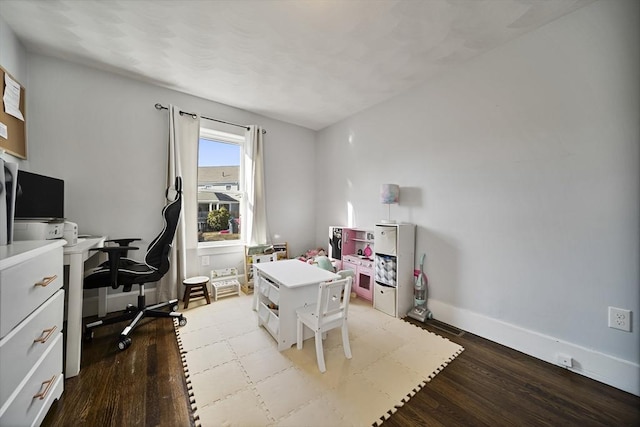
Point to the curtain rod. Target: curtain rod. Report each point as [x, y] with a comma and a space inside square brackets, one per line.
[182, 113]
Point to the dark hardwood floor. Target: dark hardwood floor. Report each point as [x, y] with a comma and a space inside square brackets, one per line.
[141, 386]
[487, 385]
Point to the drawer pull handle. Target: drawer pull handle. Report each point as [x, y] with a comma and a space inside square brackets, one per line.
[47, 334]
[48, 383]
[47, 281]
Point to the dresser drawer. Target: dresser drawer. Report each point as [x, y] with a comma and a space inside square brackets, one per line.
[21, 349]
[29, 404]
[25, 286]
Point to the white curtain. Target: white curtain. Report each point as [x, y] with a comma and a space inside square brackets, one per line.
[184, 133]
[256, 222]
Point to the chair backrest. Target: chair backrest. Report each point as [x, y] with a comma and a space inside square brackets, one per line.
[333, 298]
[257, 259]
[159, 250]
[264, 258]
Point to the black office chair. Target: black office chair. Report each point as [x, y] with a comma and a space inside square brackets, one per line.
[119, 270]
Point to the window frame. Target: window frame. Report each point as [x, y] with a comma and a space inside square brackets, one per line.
[208, 133]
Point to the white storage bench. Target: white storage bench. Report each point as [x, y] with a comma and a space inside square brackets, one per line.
[224, 282]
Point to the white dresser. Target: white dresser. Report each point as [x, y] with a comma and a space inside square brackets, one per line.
[31, 316]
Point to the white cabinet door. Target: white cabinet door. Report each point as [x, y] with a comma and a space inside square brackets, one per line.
[384, 299]
[385, 240]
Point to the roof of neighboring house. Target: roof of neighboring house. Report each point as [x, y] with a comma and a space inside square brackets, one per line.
[218, 174]
[213, 196]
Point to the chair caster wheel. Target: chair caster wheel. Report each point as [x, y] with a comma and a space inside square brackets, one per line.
[124, 343]
[174, 307]
[88, 335]
[130, 308]
[182, 321]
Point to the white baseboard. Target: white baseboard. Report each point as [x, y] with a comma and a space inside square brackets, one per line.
[616, 372]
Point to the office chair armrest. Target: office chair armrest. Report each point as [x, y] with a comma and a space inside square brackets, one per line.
[114, 253]
[123, 242]
[115, 249]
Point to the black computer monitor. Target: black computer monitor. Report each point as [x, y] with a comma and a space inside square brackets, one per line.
[39, 197]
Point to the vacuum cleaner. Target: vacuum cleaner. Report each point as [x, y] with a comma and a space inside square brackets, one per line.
[420, 311]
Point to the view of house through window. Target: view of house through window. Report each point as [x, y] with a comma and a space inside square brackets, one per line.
[220, 187]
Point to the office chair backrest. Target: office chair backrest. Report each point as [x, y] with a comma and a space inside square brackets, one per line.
[159, 250]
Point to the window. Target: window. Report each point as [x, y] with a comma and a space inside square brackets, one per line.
[221, 191]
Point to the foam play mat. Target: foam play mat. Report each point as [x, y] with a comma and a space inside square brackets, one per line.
[237, 377]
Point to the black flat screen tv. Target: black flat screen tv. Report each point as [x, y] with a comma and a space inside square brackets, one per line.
[39, 197]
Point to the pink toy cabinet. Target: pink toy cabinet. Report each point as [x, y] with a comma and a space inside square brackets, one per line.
[363, 280]
[354, 247]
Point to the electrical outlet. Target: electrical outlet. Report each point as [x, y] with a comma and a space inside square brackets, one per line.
[564, 360]
[620, 318]
[205, 260]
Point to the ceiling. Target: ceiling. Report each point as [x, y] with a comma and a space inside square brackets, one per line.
[307, 62]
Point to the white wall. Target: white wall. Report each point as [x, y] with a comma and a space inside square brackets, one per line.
[521, 171]
[13, 58]
[101, 133]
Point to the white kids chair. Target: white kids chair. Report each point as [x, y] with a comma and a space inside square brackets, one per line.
[330, 312]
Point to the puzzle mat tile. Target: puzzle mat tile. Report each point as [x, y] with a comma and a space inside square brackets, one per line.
[237, 377]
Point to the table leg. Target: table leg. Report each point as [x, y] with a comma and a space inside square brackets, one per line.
[256, 289]
[74, 316]
[102, 302]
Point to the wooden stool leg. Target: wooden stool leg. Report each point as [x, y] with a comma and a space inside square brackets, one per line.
[206, 293]
[187, 296]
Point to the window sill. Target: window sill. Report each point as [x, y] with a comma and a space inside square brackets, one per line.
[214, 248]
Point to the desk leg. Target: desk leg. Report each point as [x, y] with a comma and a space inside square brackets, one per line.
[74, 316]
[102, 302]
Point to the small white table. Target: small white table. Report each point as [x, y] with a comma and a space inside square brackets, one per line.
[289, 285]
[74, 257]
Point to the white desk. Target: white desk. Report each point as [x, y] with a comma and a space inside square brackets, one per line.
[289, 284]
[74, 257]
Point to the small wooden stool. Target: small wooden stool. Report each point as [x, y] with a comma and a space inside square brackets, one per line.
[195, 287]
